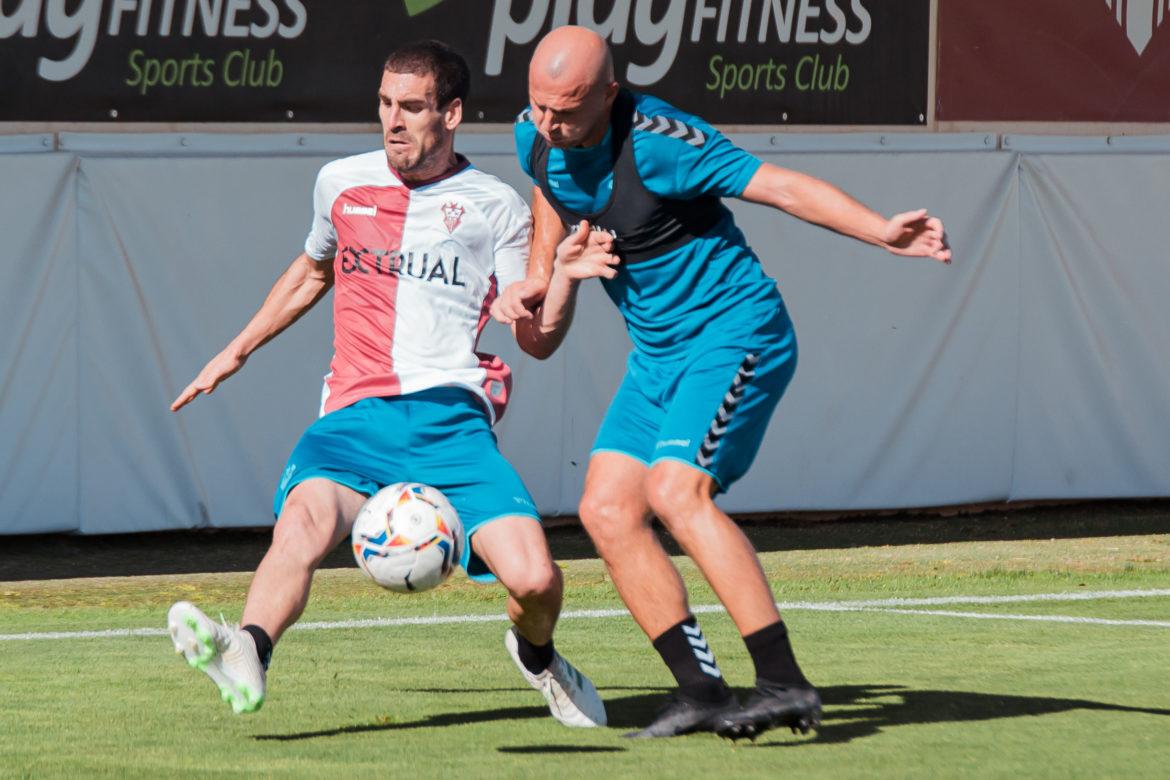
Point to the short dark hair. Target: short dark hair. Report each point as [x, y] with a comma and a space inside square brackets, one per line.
[437, 59]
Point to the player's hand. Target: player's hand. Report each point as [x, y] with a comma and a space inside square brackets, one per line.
[917, 234]
[519, 301]
[220, 368]
[586, 254]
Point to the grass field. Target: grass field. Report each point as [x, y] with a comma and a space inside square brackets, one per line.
[908, 692]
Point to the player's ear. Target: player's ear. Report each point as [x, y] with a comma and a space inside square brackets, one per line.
[453, 114]
[611, 93]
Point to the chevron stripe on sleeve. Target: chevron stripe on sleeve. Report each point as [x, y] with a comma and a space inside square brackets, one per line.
[671, 128]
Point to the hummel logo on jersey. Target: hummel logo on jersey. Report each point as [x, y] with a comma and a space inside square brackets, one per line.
[359, 211]
[594, 228]
[452, 215]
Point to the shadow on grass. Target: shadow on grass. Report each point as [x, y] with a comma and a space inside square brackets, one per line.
[624, 712]
[460, 718]
[851, 712]
[542, 749]
[875, 708]
[602, 688]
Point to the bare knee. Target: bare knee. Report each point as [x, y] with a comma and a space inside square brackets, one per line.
[677, 497]
[541, 583]
[611, 520]
[300, 536]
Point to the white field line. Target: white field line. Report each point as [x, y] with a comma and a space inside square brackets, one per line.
[1042, 618]
[892, 605]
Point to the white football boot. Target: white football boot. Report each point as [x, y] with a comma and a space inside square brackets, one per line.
[225, 653]
[571, 697]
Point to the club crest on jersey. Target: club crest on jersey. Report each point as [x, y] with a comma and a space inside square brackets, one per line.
[452, 215]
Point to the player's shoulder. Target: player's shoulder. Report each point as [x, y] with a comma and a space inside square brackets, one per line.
[524, 133]
[364, 168]
[659, 123]
[488, 191]
[524, 117]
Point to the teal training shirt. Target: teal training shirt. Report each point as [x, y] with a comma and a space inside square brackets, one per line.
[712, 289]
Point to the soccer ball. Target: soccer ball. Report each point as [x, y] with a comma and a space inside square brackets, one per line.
[407, 537]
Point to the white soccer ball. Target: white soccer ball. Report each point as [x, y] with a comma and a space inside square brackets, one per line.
[407, 537]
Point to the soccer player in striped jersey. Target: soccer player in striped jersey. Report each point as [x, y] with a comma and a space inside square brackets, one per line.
[414, 241]
[640, 182]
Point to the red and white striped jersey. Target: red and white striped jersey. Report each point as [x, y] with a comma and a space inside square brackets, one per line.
[415, 270]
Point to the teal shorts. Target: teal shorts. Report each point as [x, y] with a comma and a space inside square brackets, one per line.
[708, 408]
[440, 437]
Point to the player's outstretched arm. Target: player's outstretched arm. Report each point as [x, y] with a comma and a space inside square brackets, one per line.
[303, 284]
[912, 234]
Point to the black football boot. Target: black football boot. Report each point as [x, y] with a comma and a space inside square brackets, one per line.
[683, 715]
[771, 706]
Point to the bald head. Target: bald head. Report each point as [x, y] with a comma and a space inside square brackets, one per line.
[571, 56]
[571, 87]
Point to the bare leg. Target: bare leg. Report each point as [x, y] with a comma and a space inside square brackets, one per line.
[316, 516]
[682, 497]
[616, 514]
[516, 551]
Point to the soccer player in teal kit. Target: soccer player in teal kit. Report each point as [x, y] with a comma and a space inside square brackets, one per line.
[638, 184]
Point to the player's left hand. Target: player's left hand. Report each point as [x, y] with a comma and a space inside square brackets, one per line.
[917, 234]
[518, 301]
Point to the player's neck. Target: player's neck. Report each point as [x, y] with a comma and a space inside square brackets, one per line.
[445, 165]
[596, 135]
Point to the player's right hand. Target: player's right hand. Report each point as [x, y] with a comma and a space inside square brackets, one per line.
[220, 368]
[518, 301]
[586, 254]
[917, 234]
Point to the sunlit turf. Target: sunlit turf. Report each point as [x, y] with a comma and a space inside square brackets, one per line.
[906, 695]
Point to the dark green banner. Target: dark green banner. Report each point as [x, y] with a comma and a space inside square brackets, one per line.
[731, 61]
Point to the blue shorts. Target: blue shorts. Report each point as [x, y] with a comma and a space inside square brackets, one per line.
[708, 409]
[439, 437]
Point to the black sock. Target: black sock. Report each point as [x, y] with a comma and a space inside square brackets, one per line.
[685, 650]
[772, 654]
[263, 642]
[536, 658]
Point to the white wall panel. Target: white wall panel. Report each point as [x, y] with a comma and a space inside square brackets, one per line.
[1036, 366]
[38, 344]
[180, 254]
[1095, 376]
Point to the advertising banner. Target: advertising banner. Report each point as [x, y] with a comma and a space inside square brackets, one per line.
[731, 61]
[1054, 61]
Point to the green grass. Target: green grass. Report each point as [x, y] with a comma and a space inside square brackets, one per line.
[905, 695]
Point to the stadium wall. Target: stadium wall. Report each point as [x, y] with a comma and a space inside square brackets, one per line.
[1035, 367]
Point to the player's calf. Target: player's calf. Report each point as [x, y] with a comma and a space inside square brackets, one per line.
[539, 592]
